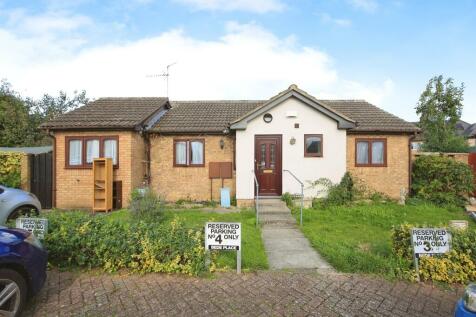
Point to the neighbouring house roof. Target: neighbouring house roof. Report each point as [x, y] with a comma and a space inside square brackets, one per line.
[28, 150]
[470, 131]
[109, 113]
[462, 128]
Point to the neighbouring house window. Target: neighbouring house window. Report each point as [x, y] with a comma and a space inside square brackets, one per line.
[189, 152]
[75, 152]
[313, 145]
[371, 152]
[92, 150]
[81, 151]
[110, 149]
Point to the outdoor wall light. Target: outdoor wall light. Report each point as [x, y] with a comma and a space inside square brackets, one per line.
[292, 141]
[222, 144]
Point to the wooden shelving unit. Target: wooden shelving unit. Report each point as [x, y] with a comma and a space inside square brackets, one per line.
[102, 180]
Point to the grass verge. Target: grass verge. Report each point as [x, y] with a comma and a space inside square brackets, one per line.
[357, 238]
[253, 254]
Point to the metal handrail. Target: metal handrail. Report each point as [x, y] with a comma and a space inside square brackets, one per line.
[302, 192]
[256, 197]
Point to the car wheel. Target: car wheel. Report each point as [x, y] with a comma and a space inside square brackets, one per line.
[23, 211]
[13, 293]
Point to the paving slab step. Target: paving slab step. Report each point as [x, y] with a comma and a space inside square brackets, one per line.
[273, 208]
[266, 212]
[273, 218]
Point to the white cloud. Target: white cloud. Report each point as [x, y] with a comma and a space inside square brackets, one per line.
[328, 19]
[54, 22]
[374, 93]
[365, 5]
[257, 6]
[247, 62]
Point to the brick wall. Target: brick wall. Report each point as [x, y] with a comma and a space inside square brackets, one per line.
[460, 157]
[390, 179]
[74, 187]
[174, 183]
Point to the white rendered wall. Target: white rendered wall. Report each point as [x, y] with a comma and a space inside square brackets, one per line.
[332, 165]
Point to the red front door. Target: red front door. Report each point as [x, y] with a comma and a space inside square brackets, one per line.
[268, 164]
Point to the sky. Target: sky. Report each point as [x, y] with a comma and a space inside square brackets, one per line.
[381, 51]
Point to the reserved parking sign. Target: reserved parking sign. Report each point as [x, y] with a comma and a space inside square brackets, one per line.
[37, 226]
[223, 236]
[431, 240]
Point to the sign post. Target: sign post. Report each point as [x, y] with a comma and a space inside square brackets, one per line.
[37, 226]
[429, 241]
[224, 236]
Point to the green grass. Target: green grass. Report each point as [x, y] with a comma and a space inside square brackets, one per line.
[357, 238]
[253, 254]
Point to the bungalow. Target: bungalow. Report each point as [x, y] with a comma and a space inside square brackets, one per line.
[179, 148]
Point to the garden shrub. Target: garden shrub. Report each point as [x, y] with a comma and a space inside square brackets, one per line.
[288, 199]
[145, 204]
[76, 239]
[10, 169]
[441, 180]
[457, 266]
[337, 194]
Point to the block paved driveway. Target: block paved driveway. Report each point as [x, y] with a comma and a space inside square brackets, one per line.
[228, 294]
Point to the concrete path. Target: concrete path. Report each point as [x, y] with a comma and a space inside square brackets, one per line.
[285, 245]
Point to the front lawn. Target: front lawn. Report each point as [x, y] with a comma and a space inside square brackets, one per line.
[253, 254]
[357, 238]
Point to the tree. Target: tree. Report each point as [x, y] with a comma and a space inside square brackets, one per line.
[15, 128]
[440, 107]
[21, 117]
[49, 107]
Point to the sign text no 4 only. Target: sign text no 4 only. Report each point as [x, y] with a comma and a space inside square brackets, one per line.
[224, 236]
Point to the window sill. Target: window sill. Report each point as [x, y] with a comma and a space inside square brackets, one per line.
[370, 165]
[69, 167]
[201, 165]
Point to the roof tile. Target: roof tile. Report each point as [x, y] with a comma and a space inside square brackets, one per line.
[108, 113]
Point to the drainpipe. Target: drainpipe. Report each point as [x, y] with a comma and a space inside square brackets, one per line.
[145, 135]
[410, 165]
[51, 135]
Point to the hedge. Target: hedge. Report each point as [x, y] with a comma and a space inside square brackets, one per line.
[76, 239]
[10, 169]
[441, 180]
[457, 266]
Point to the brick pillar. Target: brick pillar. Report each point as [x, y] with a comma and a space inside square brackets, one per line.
[25, 172]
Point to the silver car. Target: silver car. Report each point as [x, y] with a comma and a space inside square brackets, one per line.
[16, 202]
